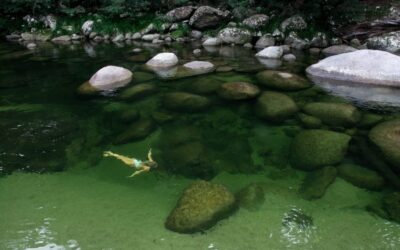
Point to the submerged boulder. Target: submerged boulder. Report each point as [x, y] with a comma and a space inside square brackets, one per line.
[256, 21]
[199, 67]
[358, 67]
[317, 182]
[110, 77]
[238, 91]
[181, 101]
[282, 80]
[334, 114]
[234, 35]
[212, 41]
[207, 17]
[361, 177]
[251, 197]
[200, 207]
[391, 204]
[138, 130]
[386, 136]
[314, 148]
[138, 91]
[274, 106]
[163, 60]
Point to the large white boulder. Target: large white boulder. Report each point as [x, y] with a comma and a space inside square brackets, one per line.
[110, 77]
[360, 67]
[273, 52]
[163, 60]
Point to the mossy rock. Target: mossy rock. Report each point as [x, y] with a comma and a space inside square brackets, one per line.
[309, 121]
[251, 197]
[334, 114]
[282, 80]
[369, 120]
[200, 207]
[86, 89]
[129, 115]
[361, 177]
[317, 182]
[204, 85]
[274, 106]
[391, 204]
[386, 136]
[313, 149]
[138, 130]
[186, 102]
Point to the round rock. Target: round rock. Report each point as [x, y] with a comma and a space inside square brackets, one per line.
[110, 77]
[163, 60]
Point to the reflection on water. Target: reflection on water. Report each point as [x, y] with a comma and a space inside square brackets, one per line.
[368, 96]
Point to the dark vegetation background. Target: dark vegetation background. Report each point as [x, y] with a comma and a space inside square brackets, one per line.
[324, 13]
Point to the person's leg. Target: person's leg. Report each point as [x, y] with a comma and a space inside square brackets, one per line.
[124, 159]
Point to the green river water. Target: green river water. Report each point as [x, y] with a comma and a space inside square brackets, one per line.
[58, 192]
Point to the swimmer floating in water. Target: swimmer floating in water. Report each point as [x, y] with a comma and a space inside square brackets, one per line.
[141, 166]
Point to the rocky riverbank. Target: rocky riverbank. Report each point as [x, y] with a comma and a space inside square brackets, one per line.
[213, 27]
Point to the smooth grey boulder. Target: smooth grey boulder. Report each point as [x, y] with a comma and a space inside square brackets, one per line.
[110, 77]
[179, 14]
[272, 52]
[256, 21]
[338, 49]
[163, 60]
[200, 207]
[207, 17]
[358, 67]
[199, 67]
[212, 41]
[234, 35]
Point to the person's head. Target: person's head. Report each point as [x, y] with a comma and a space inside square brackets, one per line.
[151, 164]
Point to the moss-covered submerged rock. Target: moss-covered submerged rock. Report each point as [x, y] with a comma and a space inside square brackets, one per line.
[391, 204]
[138, 91]
[282, 80]
[386, 136]
[334, 114]
[238, 91]
[317, 182]
[201, 206]
[181, 101]
[251, 197]
[138, 130]
[312, 149]
[361, 177]
[309, 121]
[274, 106]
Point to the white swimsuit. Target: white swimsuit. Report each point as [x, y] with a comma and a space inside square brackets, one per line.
[136, 163]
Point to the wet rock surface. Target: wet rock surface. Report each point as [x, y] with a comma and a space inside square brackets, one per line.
[238, 91]
[274, 106]
[361, 176]
[282, 80]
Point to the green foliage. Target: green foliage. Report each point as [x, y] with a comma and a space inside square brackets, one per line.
[183, 30]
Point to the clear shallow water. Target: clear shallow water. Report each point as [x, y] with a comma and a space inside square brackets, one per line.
[88, 203]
